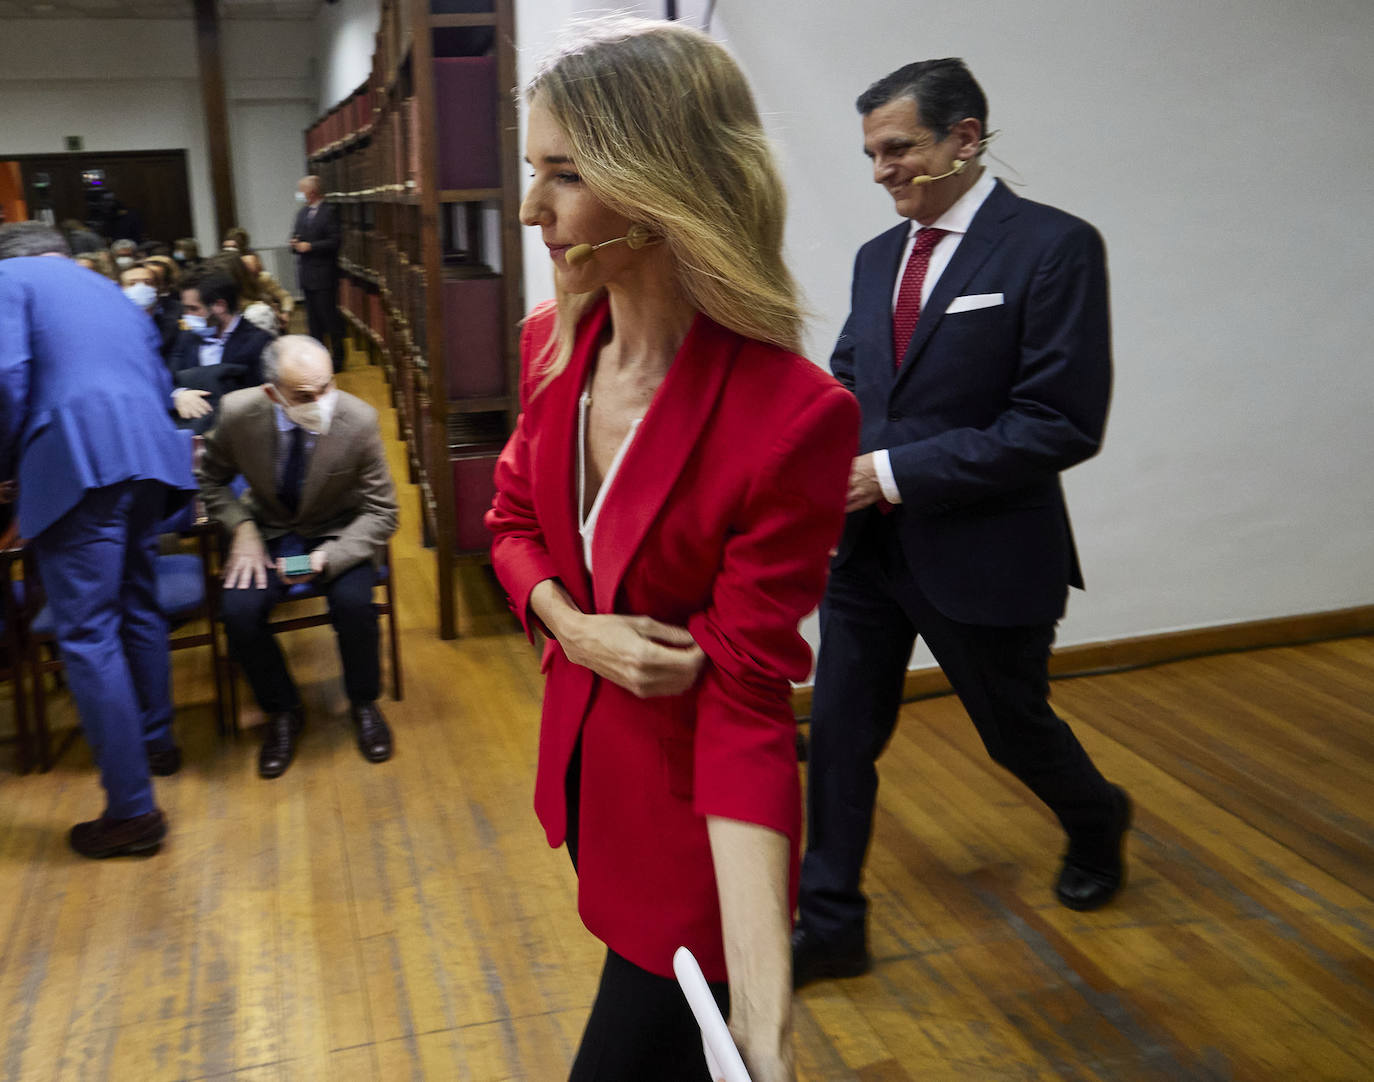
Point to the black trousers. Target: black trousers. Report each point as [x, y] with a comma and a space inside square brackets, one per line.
[255, 648]
[324, 321]
[640, 1027]
[872, 612]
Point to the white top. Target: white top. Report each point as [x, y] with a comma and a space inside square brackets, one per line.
[587, 526]
[955, 221]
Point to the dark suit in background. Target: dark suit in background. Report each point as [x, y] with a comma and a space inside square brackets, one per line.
[1004, 385]
[240, 366]
[84, 428]
[318, 275]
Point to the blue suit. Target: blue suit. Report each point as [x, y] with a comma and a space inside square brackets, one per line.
[84, 429]
[1004, 385]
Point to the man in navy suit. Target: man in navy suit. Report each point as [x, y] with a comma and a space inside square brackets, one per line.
[219, 352]
[84, 429]
[315, 240]
[978, 346]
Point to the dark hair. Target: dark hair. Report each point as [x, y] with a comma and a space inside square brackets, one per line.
[238, 235]
[945, 92]
[213, 285]
[31, 238]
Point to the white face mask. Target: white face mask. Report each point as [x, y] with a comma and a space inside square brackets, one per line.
[124, 262]
[300, 197]
[314, 416]
[142, 294]
[197, 324]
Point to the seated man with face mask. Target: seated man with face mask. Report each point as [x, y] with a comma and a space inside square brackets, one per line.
[318, 485]
[218, 352]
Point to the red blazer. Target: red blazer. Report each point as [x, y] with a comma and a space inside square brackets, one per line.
[720, 519]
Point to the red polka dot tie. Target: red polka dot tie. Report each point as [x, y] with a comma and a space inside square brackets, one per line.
[908, 307]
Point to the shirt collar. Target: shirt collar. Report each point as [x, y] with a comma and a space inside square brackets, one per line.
[233, 325]
[960, 216]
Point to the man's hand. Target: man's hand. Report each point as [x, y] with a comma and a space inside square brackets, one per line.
[638, 653]
[301, 246]
[248, 562]
[191, 403]
[864, 490]
[316, 568]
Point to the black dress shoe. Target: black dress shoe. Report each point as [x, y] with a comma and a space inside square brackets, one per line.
[101, 838]
[814, 958]
[1089, 880]
[279, 743]
[166, 762]
[374, 735]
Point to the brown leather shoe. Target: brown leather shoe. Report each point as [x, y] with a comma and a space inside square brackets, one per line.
[374, 735]
[101, 838]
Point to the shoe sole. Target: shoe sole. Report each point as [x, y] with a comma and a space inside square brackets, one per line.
[132, 849]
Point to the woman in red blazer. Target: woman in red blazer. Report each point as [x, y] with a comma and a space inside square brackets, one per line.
[663, 512]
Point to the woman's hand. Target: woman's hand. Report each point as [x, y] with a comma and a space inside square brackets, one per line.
[645, 657]
[639, 654]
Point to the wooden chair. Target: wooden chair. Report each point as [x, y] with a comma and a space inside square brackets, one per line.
[306, 591]
[186, 585]
[12, 656]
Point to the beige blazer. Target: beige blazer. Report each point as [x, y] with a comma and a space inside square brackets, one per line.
[348, 500]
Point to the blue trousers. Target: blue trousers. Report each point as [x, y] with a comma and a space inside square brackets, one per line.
[96, 563]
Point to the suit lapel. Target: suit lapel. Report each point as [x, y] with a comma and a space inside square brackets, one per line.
[555, 471]
[658, 451]
[982, 238]
[325, 454]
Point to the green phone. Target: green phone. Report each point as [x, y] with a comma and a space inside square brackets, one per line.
[296, 565]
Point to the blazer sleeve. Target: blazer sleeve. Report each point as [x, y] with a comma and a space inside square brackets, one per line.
[218, 466]
[772, 575]
[327, 243]
[519, 554]
[1057, 408]
[842, 359]
[375, 522]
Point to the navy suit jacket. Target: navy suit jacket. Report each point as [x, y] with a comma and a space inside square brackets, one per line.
[240, 366]
[83, 392]
[991, 403]
[318, 268]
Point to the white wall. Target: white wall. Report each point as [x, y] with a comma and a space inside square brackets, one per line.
[346, 35]
[134, 84]
[1216, 147]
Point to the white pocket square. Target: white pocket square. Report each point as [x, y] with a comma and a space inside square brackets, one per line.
[972, 301]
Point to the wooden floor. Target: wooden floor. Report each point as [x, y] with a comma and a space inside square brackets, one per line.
[406, 921]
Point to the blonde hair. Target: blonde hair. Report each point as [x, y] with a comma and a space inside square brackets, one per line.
[664, 131]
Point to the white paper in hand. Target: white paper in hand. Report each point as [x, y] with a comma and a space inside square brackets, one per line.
[722, 1057]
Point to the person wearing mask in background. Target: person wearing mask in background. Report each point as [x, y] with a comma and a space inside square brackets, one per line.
[124, 253]
[318, 484]
[79, 374]
[219, 351]
[186, 253]
[139, 283]
[315, 240]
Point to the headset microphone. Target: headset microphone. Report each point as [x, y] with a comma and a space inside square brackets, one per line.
[926, 178]
[637, 237]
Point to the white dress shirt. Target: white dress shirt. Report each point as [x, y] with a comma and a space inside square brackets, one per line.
[955, 222]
